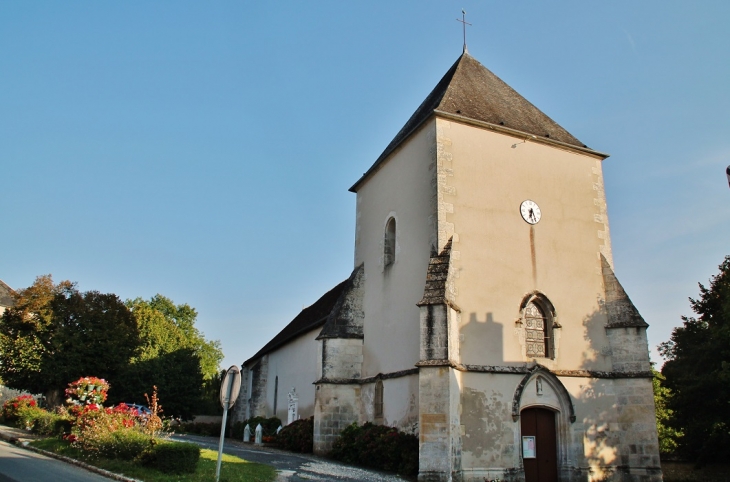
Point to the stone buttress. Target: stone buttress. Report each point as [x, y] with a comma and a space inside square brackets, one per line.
[337, 395]
[626, 332]
[438, 390]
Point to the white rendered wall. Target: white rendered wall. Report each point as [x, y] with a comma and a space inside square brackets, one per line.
[296, 366]
[402, 188]
[499, 261]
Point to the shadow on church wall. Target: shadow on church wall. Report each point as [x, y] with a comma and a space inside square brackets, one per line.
[614, 426]
[482, 341]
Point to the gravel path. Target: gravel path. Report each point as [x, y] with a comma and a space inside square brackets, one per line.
[294, 467]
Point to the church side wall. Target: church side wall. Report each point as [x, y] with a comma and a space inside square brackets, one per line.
[295, 365]
[400, 403]
[402, 188]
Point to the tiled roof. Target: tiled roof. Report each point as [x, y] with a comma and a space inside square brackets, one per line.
[471, 91]
[308, 319]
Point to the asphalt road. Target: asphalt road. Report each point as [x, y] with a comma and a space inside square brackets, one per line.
[20, 465]
[294, 467]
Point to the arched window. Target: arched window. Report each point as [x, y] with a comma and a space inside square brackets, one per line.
[538, 330]
[389, 244]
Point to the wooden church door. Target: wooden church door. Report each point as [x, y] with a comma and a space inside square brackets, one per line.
[540, 454]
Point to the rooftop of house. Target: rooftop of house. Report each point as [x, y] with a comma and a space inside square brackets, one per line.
[6, 294]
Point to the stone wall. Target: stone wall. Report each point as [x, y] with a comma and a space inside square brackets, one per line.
[336, 407]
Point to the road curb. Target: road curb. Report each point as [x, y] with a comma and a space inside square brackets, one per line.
[24, 444]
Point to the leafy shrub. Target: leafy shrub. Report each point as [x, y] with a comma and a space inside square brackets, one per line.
[172, 457]
[12, 407]
[269, 426]
[43, 422]
[124, 444]
[110, 432]
[298, 436]
[377, 446]
[207, 429]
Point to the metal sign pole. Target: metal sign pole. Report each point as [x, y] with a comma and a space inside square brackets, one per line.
[226, 399]
[229, 393]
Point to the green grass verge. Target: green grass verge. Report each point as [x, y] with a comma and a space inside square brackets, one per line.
[233, 469]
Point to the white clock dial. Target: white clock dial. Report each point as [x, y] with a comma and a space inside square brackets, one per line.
[530, 211]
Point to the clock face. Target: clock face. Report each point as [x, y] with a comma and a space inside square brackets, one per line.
[530, 212]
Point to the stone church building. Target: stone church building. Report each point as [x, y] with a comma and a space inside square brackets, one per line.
[483, 312]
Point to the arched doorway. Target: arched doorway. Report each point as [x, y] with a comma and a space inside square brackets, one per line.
[539, 444]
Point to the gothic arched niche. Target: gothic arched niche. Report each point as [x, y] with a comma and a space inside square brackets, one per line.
[541, 388]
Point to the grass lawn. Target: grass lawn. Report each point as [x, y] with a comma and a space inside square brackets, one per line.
[233, 469]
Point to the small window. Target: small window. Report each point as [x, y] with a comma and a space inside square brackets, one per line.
[276, 393]
[389, 249]
[378, 399]
[538, 331]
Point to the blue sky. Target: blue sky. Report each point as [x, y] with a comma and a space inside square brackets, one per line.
[203, 150]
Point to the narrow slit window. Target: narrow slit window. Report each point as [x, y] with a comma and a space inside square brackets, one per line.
[378, 399]
[276, 393]
[389, 250]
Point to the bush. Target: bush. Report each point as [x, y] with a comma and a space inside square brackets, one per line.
[208, 429]
[110, 432]
[269, 426]
[172, 457]
[124, 444]
[12, 407]
[298, 436]
[42, 422]
[379, 447]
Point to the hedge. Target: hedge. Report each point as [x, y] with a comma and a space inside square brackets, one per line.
[298, 436]
[172, 457]
[379, 447]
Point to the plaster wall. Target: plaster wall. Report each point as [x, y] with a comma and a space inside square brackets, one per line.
[500, 259]
[296, 366]
[400, 403]
[613, 436]
[401, 188]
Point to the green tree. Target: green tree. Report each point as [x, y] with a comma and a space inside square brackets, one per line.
[668, 435]
[173, 355]
[697, 372]
[179, 322]
[55, 334]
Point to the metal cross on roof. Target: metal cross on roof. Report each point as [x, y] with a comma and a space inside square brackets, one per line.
[464, 24]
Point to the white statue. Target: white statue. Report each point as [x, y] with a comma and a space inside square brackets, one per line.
[259, 434]
[292, 413]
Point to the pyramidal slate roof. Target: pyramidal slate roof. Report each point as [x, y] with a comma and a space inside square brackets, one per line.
[472, 91]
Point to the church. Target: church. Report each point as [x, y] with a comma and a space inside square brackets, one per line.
[483, 312]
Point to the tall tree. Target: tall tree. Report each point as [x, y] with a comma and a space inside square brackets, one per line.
[172, 354]
[697, 372]
[54, 334]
